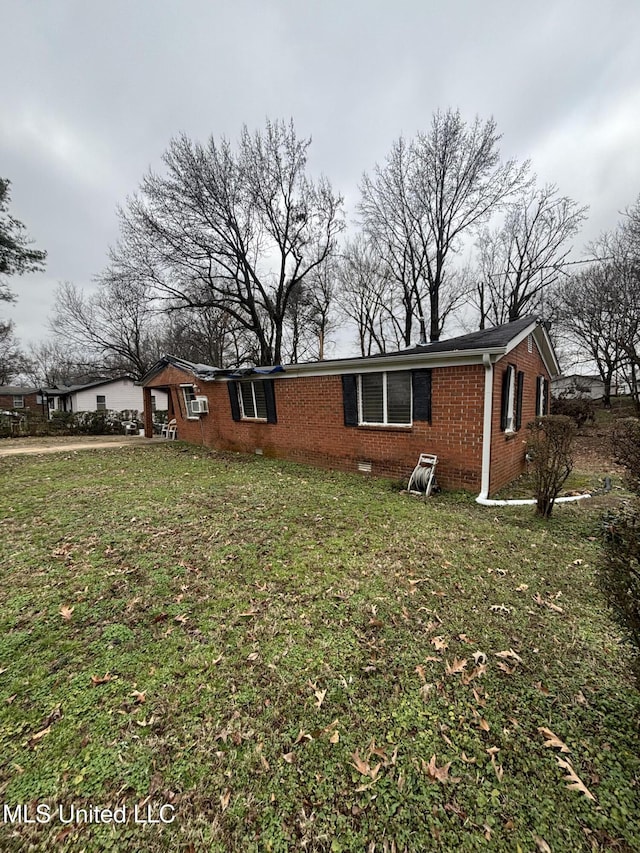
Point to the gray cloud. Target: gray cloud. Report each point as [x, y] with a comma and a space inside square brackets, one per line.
[93, 93]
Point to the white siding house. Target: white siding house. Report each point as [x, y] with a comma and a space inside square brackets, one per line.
[115, 395]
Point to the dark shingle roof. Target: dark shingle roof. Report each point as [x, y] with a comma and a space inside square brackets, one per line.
[498, 336]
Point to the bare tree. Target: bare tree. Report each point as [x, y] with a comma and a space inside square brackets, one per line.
[55, 362]
[430, 193]
[588, 307]
[367, 296]
[235, 229]
[523, 260]
[117, 325]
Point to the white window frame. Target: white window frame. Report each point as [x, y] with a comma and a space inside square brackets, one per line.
[101, 402]
[18, 401]
[510, 424]
[189, 399]
[385, 413]
[243, 415]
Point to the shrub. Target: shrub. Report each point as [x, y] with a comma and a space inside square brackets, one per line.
[625, 444]
[549, 447]
[620, 569]
[579, 409]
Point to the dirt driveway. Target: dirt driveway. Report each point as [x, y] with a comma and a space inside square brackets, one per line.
[66, 443]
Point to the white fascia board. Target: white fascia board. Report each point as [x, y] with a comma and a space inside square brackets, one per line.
[545, 347]
[456, 358]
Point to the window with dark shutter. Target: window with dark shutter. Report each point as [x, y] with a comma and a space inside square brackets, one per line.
[519, 399]
[384, 399]
[350, 399]
[421, 387]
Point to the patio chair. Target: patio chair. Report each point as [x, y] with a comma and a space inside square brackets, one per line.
[170, 430]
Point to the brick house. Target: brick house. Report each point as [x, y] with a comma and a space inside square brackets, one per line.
[466, 399]
[20, 399]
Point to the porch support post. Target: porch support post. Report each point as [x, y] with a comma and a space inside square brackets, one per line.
[148, 414]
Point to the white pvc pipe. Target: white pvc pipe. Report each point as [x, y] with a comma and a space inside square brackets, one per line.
[526, 501]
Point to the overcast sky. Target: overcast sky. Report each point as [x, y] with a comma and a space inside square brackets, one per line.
[94, 91]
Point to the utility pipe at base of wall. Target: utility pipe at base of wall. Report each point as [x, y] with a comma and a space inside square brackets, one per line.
[526, 501]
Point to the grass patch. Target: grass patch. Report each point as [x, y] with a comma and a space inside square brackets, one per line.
[278, 652]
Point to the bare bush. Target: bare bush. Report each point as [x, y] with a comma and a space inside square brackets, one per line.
[549, 447]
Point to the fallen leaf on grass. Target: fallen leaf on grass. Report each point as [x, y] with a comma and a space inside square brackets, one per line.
[509, 654]
[542, 602]
[34, 739]
[139, 697]
[289, 757]
[573, 780]
[440, 643]
[363, 767]
[66, 612]
[541, 844]
[319, 694]
[101, 679]
[500, 608]
[335, 737]
[455, 667]
[553, 741]
[224, 800]
[438, 774]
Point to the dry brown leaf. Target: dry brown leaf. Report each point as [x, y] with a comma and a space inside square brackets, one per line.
[182, 618]
[320, 694]
[438, 774]
[289, 757]
[302, 735]
[224, 799]
[468, 760]
[455, 667]
[253, 656]
[541, 844]
[34, 739]
[139, 697]
[573, 780]
[361, 766]
[553, 741]
[101, 679]
[505, 668]
[335, 737]
[509, 654]
[66, 612]
[440, 643]
[484, 725]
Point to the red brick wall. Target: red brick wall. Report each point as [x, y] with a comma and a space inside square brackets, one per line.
[508, 449]
[311, 428]
[30, 402]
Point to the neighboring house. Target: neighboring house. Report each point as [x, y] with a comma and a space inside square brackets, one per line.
[20, 399]
[466, 399]
[120, 394]
[575, 385]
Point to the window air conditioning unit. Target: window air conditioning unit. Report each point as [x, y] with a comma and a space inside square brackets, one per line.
[200, 406]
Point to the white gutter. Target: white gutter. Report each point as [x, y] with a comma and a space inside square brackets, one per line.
[486, 427]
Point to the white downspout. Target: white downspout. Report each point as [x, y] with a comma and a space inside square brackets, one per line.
[486, 427]
[483, 497]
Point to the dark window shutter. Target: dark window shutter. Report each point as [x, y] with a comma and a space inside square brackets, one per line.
[504, 403]
[539, 381]
[270, 399]
[519, 394]
[350, 399]
[545, 395]
[233, 399]
[421, 387]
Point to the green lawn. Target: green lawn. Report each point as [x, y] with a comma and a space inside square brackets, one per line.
[299, 660]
